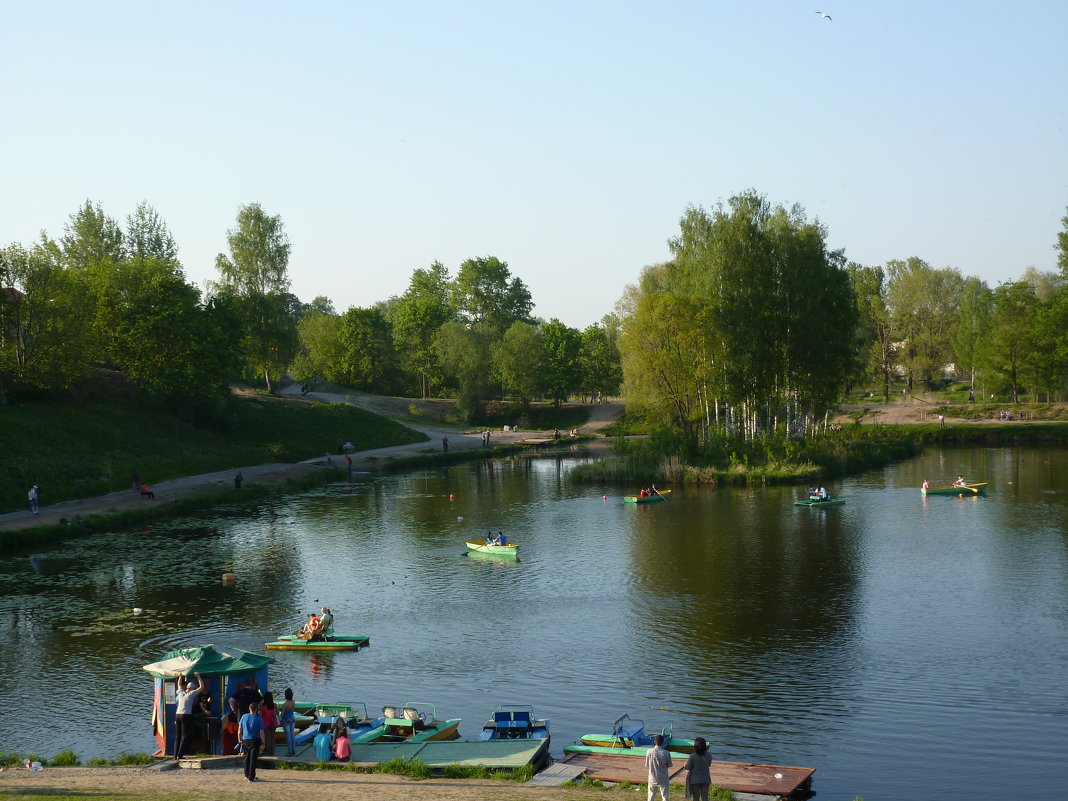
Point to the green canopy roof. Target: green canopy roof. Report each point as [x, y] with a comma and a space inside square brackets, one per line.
[207, 660]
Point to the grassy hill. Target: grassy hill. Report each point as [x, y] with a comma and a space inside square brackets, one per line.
[78, 449]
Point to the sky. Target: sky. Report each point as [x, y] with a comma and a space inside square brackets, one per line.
[564, 138]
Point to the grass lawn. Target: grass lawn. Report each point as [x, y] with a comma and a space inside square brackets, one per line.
[91, 447]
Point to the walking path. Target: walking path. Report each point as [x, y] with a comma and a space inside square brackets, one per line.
[278, 473]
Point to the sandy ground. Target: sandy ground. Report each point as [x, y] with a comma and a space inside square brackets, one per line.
[272, 474]
[272, 785]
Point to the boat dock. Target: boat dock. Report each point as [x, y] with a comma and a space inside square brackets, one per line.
[739, 777]
[436, 754]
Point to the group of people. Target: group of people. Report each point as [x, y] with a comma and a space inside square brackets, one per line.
[817, 493]
[960, 482]
[648, 492]
[698, 773]
[318, 625]
[500, 539]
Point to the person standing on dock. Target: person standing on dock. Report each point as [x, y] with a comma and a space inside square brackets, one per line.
[658, 762]
[698, 776]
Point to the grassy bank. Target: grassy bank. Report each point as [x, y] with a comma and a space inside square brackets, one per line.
[78, 450]
[776, 460]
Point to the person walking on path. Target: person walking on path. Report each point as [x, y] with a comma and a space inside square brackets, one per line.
[237, 480]
[252, 738]
[658, 761]
[187, 695]
[32, 497]
[698, 775]
[135, 480]
[445, 443]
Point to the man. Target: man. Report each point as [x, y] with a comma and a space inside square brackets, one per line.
[247, 694]
[658, 761]
[187, 695]
[252, 732]
[445, 444]
[32, 496]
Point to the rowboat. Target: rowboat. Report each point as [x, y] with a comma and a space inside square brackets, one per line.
[819, 501]
[508, 551]
[967, 489]
[628, 738]
[417, 723]
[515, 722]
[662, 496]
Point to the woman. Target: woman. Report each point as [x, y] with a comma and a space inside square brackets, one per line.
[289, 722]
[698, 776]
[269, 713]
[341, 746]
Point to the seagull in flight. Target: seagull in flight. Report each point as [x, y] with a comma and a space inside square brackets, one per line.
[824, 16]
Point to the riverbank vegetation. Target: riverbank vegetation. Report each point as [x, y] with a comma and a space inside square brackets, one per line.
[91, 447]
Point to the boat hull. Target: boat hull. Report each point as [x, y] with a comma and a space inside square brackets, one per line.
[507, 551]
[674, 747]
[663, 496]
[968, 489]
[515, 723]
[305, 645]
[811, 502]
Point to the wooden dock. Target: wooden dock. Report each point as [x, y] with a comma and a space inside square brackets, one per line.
[741, 777]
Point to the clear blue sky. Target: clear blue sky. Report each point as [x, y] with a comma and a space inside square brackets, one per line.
[566, 138]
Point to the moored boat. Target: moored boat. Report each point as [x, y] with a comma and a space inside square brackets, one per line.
[417, 722]
[515, 722]
[966, 489]
[509, 550]
[662, 495]
[628, 737]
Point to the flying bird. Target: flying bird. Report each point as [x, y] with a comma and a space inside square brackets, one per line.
[824, 16]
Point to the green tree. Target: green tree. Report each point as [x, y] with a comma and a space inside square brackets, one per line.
[563, 370]
[256, 275]
[1062, 247]
[485, 292]
[148, 237]
[973, 325]
[416, 318]
[464, 354]
[369, 355]
[924, 308]
[45, 321]
[874, 334]
[321, 352]
[780, 304]
[600, 366]
[519, 361]
[1009, 341]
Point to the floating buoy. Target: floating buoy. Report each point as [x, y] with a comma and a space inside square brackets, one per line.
[137, 610]
[452, 497]
[229, 578]
[604, 497]
[461, 519]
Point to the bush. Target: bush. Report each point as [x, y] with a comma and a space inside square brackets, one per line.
[64, 759]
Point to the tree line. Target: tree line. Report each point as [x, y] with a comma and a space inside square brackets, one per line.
[112, 299]
[755, 326]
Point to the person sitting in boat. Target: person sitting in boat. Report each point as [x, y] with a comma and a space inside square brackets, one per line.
[926, 484]
[489, 538]
[960, 482]
[500, 539]
[642, 494]
[821, 493]
[308, 628]
[653, 490]
[326, 620]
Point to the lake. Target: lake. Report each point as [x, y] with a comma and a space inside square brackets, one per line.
[903, 647]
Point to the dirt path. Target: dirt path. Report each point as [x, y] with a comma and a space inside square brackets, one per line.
[272, 785]
[274, 474]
